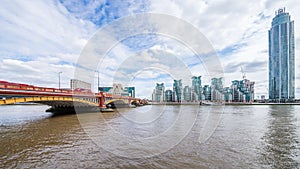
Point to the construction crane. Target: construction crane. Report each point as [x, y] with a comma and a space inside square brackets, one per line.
[243, 73]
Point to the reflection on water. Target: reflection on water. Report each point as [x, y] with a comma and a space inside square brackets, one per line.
[246, 137]
[20, 114]
[281, 141]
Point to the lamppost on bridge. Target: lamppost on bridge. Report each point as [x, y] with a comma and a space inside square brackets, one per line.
[59, 79]
[98, 80]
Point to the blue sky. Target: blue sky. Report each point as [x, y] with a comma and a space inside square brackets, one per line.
[41, 38]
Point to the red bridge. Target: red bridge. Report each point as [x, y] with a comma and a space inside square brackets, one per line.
[62, 99]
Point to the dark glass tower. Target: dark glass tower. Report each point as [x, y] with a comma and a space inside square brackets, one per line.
[177, 88]
[196, 86]
[281, 58]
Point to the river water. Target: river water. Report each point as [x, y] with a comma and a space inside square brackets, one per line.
[155, 136]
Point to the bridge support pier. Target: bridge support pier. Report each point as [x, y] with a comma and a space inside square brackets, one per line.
[102, 101]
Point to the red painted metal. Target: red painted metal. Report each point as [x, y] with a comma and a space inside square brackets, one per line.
[102, 100]
[18, 89]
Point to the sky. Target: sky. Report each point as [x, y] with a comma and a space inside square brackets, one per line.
[39, 39]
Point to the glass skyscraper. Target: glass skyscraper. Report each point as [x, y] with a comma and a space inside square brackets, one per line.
[281, 58]
[187, 94]
[177, 88]
[196, 87]
[158, 94]
[169, 95]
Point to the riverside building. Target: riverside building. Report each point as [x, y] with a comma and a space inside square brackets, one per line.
[282, 58]
[118, 89]
[239, 91]
[177, 88]
[196, 88]
[158, 94]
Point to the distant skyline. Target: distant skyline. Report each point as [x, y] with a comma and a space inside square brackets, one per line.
[41, 38]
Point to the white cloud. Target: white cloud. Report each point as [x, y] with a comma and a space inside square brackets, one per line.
[40, 28]
[39, 39]
[37, 72]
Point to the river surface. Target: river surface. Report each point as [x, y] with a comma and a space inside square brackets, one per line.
[157, 136]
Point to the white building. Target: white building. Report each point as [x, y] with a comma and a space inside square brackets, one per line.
[78, 84]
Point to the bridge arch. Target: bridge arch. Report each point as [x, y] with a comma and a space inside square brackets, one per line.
[116, 103]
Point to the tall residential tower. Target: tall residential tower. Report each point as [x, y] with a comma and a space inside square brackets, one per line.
[158, 94]
[281, 58]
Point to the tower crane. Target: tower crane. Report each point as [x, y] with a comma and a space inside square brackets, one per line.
[243, 73]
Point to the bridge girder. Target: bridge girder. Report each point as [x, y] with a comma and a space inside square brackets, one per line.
[51, 101]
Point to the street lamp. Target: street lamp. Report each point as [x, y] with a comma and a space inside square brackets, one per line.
[59, 79]
[98, 79]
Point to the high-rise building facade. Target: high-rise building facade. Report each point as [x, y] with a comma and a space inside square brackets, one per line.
[242, 90]
[281, 58]
[217, 83]
[169, 95]
[207, 92]
[239, 91]
[158, 94]
[217, 89]
[177, 88]
[187, 94]
[197, 88]
[75, 84]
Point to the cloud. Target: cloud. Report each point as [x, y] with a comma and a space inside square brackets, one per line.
[39, 39]
[251, 66]
[40, 28]
[34, 72]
